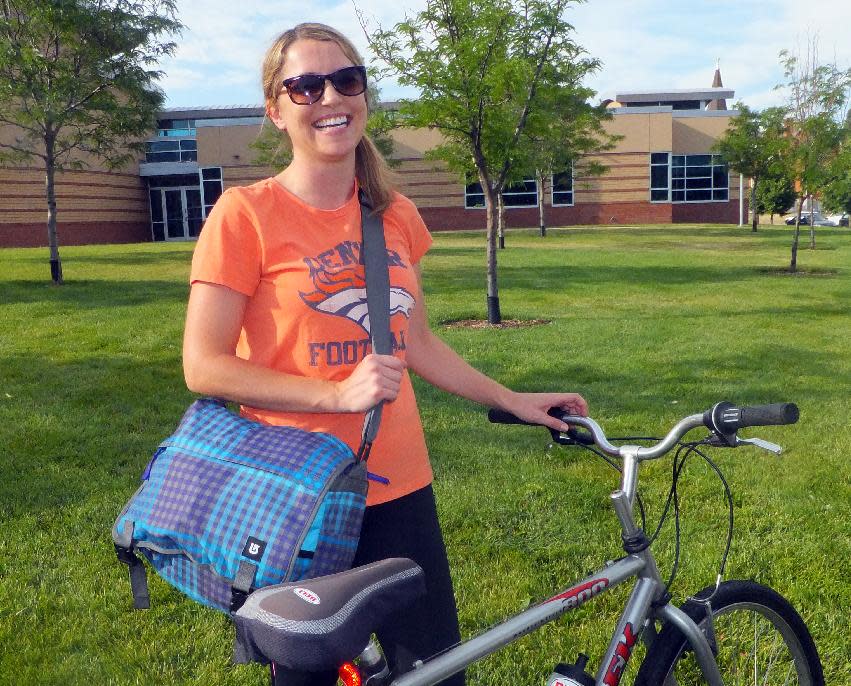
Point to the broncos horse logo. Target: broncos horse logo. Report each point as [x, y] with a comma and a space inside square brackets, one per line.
[343, 293]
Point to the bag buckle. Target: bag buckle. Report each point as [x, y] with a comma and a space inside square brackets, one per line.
[126, 555]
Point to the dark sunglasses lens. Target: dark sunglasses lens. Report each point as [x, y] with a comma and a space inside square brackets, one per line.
[306, 89]
[349, 81]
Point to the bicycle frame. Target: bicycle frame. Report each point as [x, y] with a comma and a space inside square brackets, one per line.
[633, 622]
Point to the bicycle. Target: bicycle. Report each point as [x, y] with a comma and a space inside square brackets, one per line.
[733, 632]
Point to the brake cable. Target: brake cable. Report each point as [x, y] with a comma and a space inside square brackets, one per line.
[673, 496]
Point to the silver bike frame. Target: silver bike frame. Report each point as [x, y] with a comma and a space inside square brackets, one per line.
[635, 621]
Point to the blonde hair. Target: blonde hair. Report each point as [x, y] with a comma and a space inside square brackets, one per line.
[371, 170]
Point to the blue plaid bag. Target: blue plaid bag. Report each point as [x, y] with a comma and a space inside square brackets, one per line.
[228, 505]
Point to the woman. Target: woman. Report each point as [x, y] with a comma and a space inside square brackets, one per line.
[269, 325]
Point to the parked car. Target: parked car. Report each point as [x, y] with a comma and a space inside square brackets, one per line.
[839, 219]
[818, 220]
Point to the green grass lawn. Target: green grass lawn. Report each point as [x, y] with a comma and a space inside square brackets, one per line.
[649, 324]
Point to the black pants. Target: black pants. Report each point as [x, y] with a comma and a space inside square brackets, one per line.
[408, 527]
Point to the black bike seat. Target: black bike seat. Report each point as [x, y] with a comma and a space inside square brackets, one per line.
[317, 624]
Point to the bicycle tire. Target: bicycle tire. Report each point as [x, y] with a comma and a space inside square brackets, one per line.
[757, 633]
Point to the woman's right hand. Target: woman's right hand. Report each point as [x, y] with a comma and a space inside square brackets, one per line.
[376, 377]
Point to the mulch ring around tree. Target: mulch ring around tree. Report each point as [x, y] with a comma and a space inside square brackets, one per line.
[484, 324]
[802, 271]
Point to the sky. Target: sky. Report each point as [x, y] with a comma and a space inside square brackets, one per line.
[643, 44]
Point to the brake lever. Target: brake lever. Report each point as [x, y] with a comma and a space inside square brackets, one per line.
[760, 443]
[733, 441]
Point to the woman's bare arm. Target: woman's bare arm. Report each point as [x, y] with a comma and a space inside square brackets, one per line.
[437, 363]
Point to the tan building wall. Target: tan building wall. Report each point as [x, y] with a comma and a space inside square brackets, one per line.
[93, 205]
[229, 147]
[220, 146]
[640, 132]
[697, 134]
[627, 178]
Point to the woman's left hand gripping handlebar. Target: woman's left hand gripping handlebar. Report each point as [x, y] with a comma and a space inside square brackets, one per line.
[533, 407]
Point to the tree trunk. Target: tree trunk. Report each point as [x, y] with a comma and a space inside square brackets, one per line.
[50, 188]
[793, 264]
[754, 209]
[494, 315]
[500, 218]
[541, 222]
[812, 225]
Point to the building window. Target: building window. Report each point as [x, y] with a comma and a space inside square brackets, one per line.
[699, 178]
[211, 187]
[659, 175]
[175, 127]
[562, 191]
[523, 194]
[474, 196]
[182, 150]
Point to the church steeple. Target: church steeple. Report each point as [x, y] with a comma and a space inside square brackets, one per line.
[720, 104]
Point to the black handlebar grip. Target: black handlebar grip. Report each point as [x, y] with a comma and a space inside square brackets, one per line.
[726, 418]
[769, 415]
[496, 416]
[574, 435]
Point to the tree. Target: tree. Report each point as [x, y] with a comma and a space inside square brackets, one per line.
[77, 80]
[560, 150]
[775, 195]
[816, 97]
[272, 146]
[483, 69]
[837, 193]
[754, 146]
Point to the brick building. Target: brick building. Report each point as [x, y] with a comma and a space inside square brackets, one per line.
[661, 170]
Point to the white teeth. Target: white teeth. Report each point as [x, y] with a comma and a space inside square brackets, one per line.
[331, 121]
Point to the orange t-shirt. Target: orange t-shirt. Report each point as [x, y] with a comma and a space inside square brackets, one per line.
[301, 269]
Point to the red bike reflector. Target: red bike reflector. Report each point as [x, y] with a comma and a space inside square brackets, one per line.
[350, 675]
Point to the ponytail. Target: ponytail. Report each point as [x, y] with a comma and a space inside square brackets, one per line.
[373, 175]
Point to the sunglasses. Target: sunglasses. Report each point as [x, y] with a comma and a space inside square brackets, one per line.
[309, 88]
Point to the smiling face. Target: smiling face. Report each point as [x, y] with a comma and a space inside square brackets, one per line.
[330, 128]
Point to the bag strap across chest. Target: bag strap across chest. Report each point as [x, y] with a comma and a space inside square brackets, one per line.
[377, 304]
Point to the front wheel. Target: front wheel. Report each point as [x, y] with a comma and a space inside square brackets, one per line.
[759, 638]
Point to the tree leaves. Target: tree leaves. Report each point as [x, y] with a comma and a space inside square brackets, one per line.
[79, 70]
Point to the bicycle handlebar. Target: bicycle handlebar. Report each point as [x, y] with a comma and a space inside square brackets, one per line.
[723, 419]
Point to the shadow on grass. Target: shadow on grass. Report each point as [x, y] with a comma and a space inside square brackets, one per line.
[70, 429]
[153, 256]
[93, 293]
[589, 277]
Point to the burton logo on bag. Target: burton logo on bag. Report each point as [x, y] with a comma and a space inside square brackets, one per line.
[254, 549]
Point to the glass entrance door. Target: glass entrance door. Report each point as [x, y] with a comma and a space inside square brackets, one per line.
[177, 212]
[194, 211]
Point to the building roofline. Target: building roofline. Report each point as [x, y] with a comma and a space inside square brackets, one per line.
[667, 109]
[212, 112]
[675, 94]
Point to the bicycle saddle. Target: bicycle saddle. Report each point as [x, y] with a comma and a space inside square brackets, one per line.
[317, 624]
